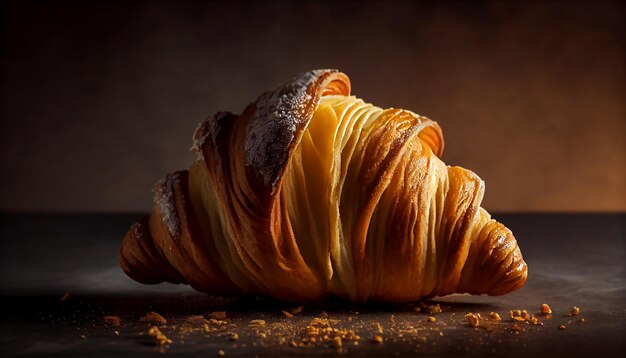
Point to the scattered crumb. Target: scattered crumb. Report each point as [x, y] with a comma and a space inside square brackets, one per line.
[297, 310]
[522, 316]
[217, 322]
[348, 335]
[473, 319]
[82, 336]
[221, 353]
[535, 321]
[196, 319]
[153, 317]
[433, 309]
[323, 331]
[64, 297]
[112, 320]
[525, 315]
[219, 315]
[256, 323]
[582, 320]
[319, 327]
[159, 337]
[515, 313]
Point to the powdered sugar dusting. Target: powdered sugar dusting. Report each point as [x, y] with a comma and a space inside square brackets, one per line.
[278, 117]
[164, 198]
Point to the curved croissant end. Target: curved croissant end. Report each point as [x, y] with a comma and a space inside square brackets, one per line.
[312, 192]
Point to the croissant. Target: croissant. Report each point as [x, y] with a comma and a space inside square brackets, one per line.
[312, 192]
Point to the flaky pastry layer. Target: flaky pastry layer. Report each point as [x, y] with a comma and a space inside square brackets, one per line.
[312, 192]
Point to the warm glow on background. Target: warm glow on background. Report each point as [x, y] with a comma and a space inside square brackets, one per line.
[529, 95]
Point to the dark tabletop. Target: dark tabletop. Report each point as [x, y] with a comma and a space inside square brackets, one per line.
[573, 259]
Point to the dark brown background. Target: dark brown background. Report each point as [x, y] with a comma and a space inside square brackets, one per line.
[99, 99]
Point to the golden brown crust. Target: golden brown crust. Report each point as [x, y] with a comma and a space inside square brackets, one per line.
[169, 245]
[278, 119]
[406, 226]
[142, 260]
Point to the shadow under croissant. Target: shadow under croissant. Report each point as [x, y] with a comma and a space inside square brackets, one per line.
[92, 308]
[251, 304]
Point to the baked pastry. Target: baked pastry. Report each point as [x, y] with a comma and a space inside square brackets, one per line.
[313, 192]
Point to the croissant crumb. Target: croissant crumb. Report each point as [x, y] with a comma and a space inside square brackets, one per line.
[472, 319]
[153, 317]
[218, 315]
[158, 336]
[112, 320]
[312, 192]
[256, 323]
[379, 328]
[432, 309]
[297, 310]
